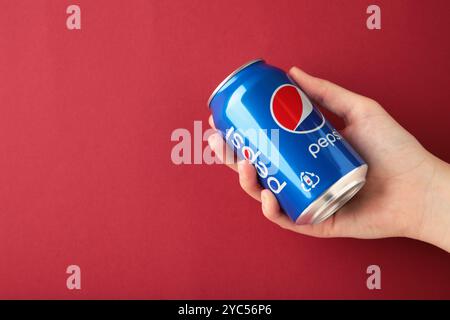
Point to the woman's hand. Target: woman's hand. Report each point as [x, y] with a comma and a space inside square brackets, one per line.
[407, 192]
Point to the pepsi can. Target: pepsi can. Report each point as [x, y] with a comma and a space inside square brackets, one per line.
[266, 118]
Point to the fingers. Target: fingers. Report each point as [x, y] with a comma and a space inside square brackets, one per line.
[338, 100]
[272, 210]
[211, 122]
[248, 179]
[247, 173]
[222, 150]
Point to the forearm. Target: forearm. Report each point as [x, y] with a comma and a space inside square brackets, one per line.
[435, 226]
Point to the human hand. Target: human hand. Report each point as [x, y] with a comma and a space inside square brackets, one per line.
[407, 192]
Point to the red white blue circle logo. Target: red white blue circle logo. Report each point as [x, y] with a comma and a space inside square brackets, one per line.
[293, 111]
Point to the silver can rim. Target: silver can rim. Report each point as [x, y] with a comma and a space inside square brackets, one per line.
[231, 75]
[334, 197]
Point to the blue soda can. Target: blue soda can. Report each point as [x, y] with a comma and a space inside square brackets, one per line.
[266, 118]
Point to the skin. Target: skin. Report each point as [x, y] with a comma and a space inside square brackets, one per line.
[407, 193]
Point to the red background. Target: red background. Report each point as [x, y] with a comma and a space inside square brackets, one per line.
[86, 117]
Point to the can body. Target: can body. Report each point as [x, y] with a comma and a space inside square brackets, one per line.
[266, 118]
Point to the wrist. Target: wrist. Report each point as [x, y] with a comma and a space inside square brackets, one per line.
[434, 225]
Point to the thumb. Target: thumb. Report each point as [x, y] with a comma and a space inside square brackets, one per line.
[338, 100]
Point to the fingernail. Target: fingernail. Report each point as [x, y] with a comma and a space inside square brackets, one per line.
[241, 164]
[212, 140]
[263, 196]
[293, 69]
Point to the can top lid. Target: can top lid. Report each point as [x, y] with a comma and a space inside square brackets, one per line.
[231, 76]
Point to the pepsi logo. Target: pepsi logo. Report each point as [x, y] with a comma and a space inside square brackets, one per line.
[293, 111]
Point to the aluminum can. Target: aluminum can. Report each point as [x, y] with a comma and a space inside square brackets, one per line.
[265, 117]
